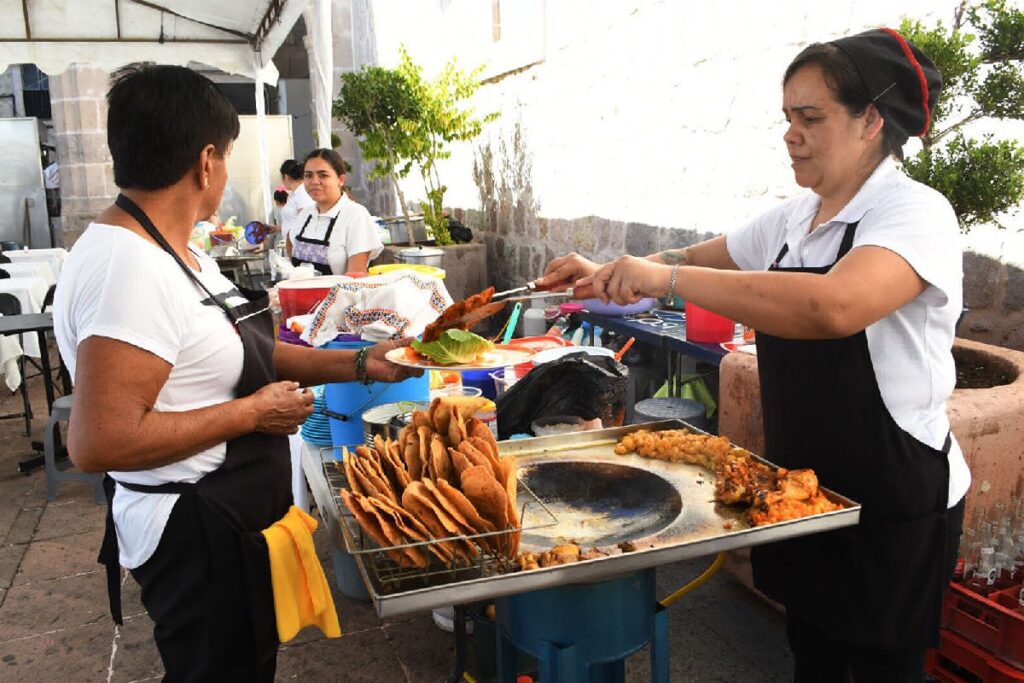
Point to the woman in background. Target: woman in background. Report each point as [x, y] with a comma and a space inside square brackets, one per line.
[296, 202]
[336, 235]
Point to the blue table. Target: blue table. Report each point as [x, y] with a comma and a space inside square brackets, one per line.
[663, 329]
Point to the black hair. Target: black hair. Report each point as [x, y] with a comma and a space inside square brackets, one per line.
[340, 166]
[160, 118]
[292, 168]
[847, 86]
[280, 196]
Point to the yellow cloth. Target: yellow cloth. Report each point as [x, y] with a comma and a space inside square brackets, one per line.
[302, 596]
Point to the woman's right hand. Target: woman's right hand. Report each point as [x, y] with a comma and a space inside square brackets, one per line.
[565, 270]
[281, 408]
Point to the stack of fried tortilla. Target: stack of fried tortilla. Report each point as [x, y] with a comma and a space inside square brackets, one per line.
[442, 478]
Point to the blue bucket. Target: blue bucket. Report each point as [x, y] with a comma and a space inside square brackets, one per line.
[353, 398]
[482, 380]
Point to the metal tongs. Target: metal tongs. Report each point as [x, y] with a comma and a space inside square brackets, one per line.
[531, 290]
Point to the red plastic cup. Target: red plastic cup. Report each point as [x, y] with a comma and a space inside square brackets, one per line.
[704, 326]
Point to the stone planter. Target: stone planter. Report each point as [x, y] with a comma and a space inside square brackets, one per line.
[988, 424]
[465, 267]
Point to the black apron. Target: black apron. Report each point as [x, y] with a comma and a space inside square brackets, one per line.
[879, 583]
[248, 493]
[313, 251]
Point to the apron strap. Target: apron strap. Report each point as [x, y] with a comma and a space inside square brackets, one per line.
[110, 550]
[844, 246]
[109, 555]
[327, 235]
[140, 216]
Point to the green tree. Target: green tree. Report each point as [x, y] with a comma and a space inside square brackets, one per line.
[981, 58]
[445, 117]
[381, 108]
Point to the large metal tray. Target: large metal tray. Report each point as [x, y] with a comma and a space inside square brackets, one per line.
[670, 528]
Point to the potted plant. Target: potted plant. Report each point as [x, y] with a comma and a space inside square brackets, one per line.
[380, 107]
[980, 59]
[444, 118]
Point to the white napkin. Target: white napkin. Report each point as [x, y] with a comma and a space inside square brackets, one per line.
[396, 304]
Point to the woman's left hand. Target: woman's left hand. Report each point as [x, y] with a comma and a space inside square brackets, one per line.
[628, 279]
[382, 370]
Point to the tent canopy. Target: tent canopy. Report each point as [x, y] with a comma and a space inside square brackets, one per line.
[236, 36]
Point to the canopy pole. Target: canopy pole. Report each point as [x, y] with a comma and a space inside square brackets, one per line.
[321, 67]
[261, 126]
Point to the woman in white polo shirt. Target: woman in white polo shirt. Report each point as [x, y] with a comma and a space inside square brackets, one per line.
[298, 199]
[854, 289]
[335, 235]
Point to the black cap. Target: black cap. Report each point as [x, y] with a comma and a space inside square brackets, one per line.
[902, 82]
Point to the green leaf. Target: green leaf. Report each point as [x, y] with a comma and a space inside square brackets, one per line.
[980, 179]
[454, 347]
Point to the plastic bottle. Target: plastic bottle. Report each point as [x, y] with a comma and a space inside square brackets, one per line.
[579, 335]
[534, 320]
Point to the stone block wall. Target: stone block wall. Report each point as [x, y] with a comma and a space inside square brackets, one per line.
[994, 293]
[77, 98]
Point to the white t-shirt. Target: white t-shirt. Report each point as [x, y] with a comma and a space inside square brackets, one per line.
[115, 284]
[298, 201]
[910, 348]
[354, 232]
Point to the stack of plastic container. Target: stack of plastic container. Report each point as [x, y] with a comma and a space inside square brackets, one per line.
[983, 615]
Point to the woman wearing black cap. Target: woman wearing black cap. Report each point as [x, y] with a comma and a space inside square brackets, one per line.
[854, 289]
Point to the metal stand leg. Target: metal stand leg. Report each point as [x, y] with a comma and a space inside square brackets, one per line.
[659, 647]
[460, 644]
[44, 356]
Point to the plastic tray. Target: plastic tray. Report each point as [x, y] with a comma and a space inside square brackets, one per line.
[959, 661]
[992, 622]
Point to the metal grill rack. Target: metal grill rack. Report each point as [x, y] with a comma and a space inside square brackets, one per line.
[390, 577]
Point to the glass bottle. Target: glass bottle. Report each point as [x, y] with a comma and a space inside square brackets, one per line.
[984, 577]
[969, 549]
[1003, 559]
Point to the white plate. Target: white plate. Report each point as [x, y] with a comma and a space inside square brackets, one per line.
[498, 357]
[548, 355]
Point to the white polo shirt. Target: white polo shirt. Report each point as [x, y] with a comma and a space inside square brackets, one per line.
[911, 347]
[354, 232]
[298, 201]
[118, 285]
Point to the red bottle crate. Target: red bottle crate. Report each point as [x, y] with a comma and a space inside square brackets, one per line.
[959, 661]
[992, 622]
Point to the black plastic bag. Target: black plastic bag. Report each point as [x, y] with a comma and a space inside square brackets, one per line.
[460, 233]
[579, 384]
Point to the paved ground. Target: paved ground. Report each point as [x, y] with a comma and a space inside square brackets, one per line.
[54, 624]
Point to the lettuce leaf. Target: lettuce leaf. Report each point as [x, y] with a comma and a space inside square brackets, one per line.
[454, 347]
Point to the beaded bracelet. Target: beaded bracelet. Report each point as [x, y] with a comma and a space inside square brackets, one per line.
[361, 355]
[672, 280]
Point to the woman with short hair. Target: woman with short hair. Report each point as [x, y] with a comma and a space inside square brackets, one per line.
[181, 394]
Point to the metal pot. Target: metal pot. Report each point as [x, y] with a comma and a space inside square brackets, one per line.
[424, 256]
[380, 419]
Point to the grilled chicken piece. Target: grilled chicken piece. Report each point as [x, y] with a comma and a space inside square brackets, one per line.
[456, 312]
[739, 480]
